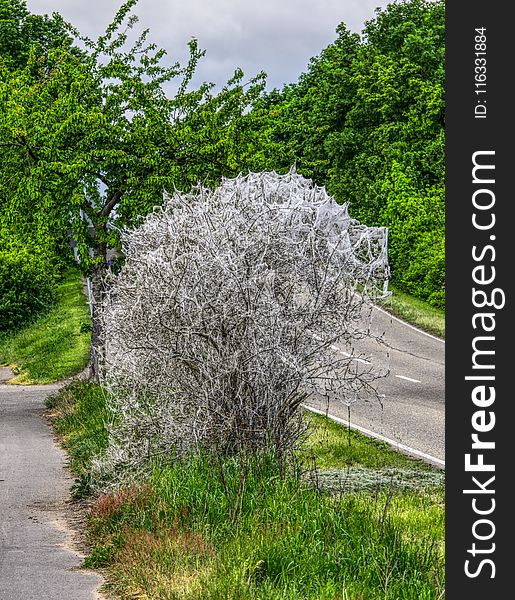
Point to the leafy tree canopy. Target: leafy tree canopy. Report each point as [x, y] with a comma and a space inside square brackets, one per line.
[21, 31]
[90, 140]
[367, 120]
[97, 134]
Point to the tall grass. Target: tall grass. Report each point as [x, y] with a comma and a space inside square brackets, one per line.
[242, 527]
[246, 531]
[78, 412]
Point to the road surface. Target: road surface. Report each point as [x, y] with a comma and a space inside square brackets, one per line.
[413, 408]
[36, 560]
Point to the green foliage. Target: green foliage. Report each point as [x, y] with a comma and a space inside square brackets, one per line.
[367, 120]
[302, 116]
[20, 31]
[389, 156]
[53, 346]
[398, 110]
[97, 134]
[27, 285]
[33, 242]
[415, 219]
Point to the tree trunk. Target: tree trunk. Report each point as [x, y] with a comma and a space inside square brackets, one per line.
[96, 356]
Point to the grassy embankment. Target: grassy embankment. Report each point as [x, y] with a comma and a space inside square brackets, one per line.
[55, 346]
[415, 311]
[367, 524]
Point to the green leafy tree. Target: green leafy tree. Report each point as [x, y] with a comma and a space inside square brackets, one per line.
[392, 142]
[416, 220]
[301, 116]
[21, 31]
[367, 120]
[92, 140]
[26, 40]
[398, 110]
[32, 248]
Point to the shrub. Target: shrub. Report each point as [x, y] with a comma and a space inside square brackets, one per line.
[417, 237]
[27, 285]
[425, 275]
[221, 321]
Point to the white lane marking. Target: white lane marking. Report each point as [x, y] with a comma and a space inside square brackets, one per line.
[408, 378]
[378, 436]
[361, 360]
[409, 325]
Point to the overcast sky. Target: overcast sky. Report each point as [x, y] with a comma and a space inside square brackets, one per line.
[276, 36]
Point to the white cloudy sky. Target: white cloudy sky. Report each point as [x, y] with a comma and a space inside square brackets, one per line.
[276, 36]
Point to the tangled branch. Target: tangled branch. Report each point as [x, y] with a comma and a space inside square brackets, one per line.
[221, 320]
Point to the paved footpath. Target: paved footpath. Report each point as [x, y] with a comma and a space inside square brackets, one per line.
[37, 561]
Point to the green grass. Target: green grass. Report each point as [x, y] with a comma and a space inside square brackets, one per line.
[415, 311]
[78, 412]
[238, 528]
[334, 446]
[190, 533]
[56, 345]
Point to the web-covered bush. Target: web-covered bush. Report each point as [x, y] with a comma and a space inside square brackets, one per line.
[221, 321]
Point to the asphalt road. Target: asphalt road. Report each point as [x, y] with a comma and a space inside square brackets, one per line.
[412, 413]
[36, 560]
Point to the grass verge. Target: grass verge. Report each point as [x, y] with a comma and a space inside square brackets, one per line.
[54, 347]
[415, 311]
[240, 528]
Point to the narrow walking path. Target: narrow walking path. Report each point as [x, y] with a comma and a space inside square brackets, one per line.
[36, 558]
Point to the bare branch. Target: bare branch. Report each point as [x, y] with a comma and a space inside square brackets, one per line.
[224, 318]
